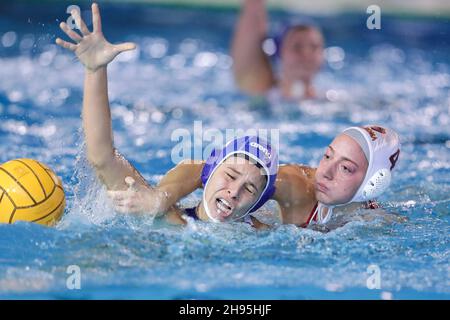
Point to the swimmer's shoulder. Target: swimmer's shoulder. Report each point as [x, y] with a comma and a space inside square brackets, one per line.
[295, 180]
[274, 95]
[258, 225]
[295, 193]
[299, 170]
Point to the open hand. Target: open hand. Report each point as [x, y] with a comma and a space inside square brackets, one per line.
[91, 48]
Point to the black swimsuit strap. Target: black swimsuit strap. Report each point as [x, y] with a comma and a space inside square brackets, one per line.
[191, 212]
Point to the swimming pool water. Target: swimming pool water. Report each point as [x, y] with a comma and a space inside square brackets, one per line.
[398, 76]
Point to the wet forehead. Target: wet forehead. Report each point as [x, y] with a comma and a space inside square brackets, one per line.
[346, 147]
[244, 167]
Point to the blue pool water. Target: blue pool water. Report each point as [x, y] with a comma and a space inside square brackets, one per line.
[398, 76]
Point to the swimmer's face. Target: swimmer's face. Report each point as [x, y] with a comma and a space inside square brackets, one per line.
[302, 53]
[341, 171]
[234, 188]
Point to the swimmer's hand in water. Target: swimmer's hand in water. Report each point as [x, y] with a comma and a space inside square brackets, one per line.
[91, 48]
[142, 199]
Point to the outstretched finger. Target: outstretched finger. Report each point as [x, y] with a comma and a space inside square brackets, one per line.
[72, 34]
[125, 46]
[79, 22]
[96, 19]
[65, 44]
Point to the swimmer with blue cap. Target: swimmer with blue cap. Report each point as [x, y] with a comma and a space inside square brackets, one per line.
[299, 47]
[237, 179]
[355, 169]
[250, 159]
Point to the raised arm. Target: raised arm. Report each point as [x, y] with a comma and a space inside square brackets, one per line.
[251, 67]
[94, 52]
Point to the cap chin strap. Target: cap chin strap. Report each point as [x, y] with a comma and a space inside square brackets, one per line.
[208, 213]
[371, 192]
[318, 213]
[374, 187]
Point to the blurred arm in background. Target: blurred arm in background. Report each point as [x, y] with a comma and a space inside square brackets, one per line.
[251, 67]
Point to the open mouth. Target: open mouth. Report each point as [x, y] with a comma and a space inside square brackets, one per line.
[224, 208]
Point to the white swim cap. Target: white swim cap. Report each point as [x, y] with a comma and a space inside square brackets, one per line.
[381, 146]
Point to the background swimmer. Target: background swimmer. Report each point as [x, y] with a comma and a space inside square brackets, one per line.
[237, 180]
[301, 54]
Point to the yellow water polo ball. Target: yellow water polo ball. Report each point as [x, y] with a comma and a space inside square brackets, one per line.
[30, 191]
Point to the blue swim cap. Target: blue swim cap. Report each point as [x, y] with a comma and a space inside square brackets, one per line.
[256, 149]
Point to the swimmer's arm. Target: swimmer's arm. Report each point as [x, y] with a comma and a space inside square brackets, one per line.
[181, 181]
[96, 117]
[110, 166]
[360, 211]
[95, 52]
[374, 210]
[251, 67]
[160, 200]
[294, 193]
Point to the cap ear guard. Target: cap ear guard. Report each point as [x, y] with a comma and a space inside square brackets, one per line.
[209, 165]
[377, 184]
